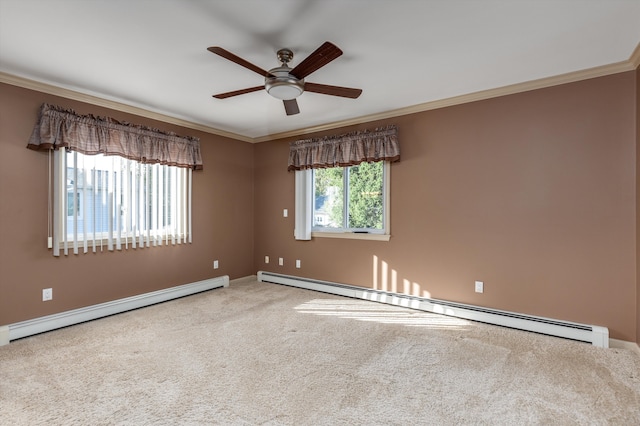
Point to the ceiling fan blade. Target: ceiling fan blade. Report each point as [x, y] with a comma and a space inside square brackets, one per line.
[291, 107]
[238, 60]
[345, 92]
[316, 60]
[238, 92]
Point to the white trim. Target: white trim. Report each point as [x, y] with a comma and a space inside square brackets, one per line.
[247, 279]
[596, 335]
[59, 214]
[623, 344]
[4, 335]
[63, 92]
[76, 316]
[386, 182]
[601, 71]
[634, 59]
[351, 236]
[303, 204]
[374, 235]
[572, 77]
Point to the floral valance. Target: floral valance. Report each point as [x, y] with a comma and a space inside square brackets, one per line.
[90, 135]
[345, 150]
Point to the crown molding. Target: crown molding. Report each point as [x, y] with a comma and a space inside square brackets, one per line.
[114, 105]
[635, 57]
[631, 64]
[542, 83]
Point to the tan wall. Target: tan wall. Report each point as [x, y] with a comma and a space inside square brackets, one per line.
[222, 215]
[534, 193]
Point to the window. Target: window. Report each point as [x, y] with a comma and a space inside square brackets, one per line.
[343, 202]
[111, 202]
[350, 199]
[342, 184]
[73, 202]
[114, 183]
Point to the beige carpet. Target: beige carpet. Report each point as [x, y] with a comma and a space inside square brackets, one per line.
[258, 353]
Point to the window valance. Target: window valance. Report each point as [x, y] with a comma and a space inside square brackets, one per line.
[90, 135]
[349, 149]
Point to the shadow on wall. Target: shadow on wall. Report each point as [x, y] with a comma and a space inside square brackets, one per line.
[386, 279]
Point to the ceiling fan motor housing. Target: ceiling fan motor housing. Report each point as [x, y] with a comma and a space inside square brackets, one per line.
[280, 84]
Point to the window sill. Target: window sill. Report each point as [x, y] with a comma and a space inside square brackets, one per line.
[351, 236]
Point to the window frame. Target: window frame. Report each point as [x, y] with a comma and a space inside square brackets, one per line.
[123, 228]
[358, 234]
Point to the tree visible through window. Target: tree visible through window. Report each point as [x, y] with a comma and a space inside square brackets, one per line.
[349, 198]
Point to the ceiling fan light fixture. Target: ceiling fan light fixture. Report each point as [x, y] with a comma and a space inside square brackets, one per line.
[284, 91]
[286, 83]
[281, 85]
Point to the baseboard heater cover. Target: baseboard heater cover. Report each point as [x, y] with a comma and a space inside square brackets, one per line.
[77, 316]
[596, 335]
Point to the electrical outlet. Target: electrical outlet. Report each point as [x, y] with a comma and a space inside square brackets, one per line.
[47, 294]
[285, 213]
[281, 261]
[479, 287]
[266, 259]
[215, 264]
[298, 263]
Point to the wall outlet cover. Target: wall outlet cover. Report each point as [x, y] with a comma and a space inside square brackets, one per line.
[47, 294]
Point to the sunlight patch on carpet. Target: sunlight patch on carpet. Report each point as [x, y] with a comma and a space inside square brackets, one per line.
[385, 314]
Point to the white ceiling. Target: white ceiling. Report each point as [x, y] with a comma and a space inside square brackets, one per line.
[152, 54]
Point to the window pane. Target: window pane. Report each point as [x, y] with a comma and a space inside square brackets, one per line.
[366, 202]
[115, 197]
[73, 202]
[328, 204]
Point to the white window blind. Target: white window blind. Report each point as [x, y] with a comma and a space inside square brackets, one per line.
[303, 204]
[110, 202]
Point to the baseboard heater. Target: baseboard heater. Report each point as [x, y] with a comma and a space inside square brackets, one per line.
[77, 316]
[596, 335]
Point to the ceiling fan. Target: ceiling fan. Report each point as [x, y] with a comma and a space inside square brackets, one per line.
[287, 83]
